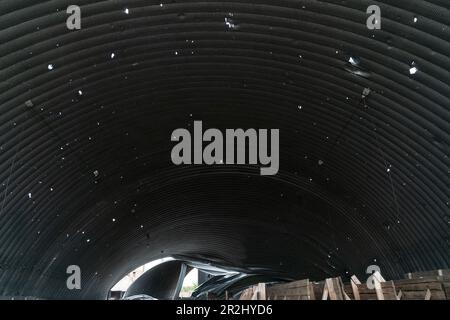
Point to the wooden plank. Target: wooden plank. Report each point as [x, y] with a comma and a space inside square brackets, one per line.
[349, 290]
[446, 272]
[262, 291]
[318, 288]
[421, 286]
[272, 293]
[330, 286]
[378, 276]
[369, 298]
[289, 285]
[386, 290]
[294, 298]
[342, 288]
[247, 294]
[420, 295]
[390, 296]
[285, 295]
[295, 289]
[384, 285]
[377, 280]
[339, 288]
[244, 295]
[346, 297]
[292, 290]
[363, 289]
[418, 288]
[412, 281]
[335, 290]
[312, 295]
[354, 281]
[257, 292]
[428, 295]
[325, 293]
[279, 297]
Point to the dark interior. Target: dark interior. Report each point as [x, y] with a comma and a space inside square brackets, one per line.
[85, 169]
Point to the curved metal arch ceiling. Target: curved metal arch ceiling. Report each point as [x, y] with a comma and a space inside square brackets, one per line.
[85, 147]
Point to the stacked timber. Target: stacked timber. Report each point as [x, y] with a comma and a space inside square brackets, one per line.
[386, 291]
[297, 290]
[431, 285]
[257, 292]
[329, 289]
[428, 288]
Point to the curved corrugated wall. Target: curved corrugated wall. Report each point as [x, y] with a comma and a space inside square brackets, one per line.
[86, 118]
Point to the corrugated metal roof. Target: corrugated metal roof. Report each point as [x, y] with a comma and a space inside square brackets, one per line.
[86, 118]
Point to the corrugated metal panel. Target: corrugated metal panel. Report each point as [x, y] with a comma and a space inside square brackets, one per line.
[361, 181]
